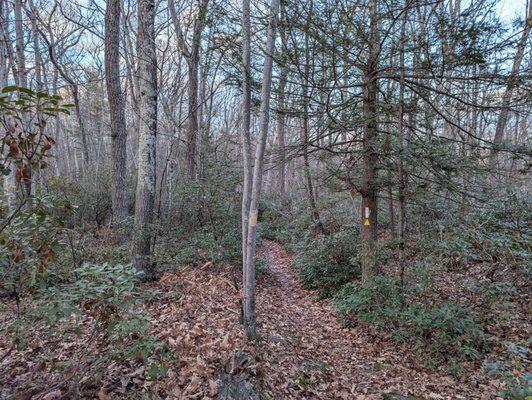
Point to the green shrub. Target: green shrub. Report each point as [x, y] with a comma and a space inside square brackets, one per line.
[512, 369]
[29, 244]
[376, 301]
[442, 332]
[328, 262]
[111, 296]
[90, 196]
[101, 290]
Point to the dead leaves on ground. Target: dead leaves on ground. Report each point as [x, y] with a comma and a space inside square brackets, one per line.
[304, 353]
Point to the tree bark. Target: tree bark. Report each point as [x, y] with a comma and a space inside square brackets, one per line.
[192, 55]
[246, 133]
[401, 186]
[146, 179]
[19, 45]
[502, 121]
[250, 322]
[306, 135]
[281, 132]
[116, 111]
[369, 153]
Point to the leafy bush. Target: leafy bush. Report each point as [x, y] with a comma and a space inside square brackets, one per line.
[512, 369]
[110, 295]
[328, 262]
[442, 332]
[375, 301]
[101, 290]
[29, 244]
[91, 196]
[498, 232]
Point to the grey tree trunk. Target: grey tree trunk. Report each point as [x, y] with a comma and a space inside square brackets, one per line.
[401, 186]
[192, 54]
[250, 321]
[246, 134]
[281, 131]
[116, 111]
[75, 96]
[146, 179]
[3, 82]
[36, 47]
[19, 45]
[306, 135]
[502, 121]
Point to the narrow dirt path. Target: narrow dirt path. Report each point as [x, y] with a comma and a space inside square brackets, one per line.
[311, 356]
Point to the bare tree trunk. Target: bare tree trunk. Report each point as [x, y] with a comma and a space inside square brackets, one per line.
[369, 156]
[306, 135]
[250, 321]
[192, 54]
[502, 121]
[3, 82]
[146, 179]
[19, 45]
[281, 132]
[116, 111]
[246, 134]
[36, 47]
[400, 139]
[75, 95]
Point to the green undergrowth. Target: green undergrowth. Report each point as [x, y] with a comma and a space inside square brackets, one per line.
[447, 330]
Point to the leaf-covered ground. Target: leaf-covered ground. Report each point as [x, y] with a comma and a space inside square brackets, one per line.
[303, 352]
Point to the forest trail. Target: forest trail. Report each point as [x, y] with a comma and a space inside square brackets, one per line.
[312, 356]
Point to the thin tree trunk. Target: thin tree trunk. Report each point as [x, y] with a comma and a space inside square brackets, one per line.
[400, 140]
[246, 134]
[250, 322]
[146, 179]
[19, 45]
[281, 121]
[502, 121]
[192, 54]
[306, 135]
[116, 111]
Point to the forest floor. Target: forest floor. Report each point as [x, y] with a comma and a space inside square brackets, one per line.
[303, 351]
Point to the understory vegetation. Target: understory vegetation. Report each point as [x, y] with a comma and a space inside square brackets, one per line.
[281, 199]
[464, 282]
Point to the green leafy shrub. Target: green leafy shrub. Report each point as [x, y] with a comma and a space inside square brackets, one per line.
[328, 262]
[111, 296]
[202, 222]
[29, 244]
[442, 332]
[512, 369]
[91, 196]
[102, 290]
[376, 301]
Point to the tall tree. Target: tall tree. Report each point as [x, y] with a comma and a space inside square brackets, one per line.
[246, 133]
[192, 55]
[502, 120]
[146, 179]
[250, 321]
[369, 151]
[22, 79]
[116, 110]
